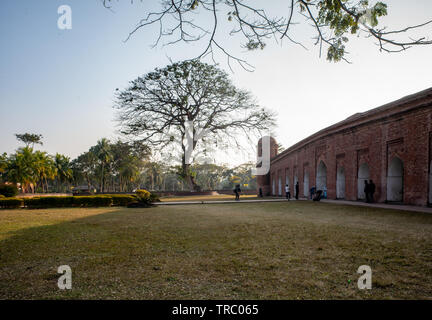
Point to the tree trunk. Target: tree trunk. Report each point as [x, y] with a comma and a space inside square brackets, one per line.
[189, 178]
[88, 182]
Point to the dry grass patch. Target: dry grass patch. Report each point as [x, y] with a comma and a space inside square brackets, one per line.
[284, 250]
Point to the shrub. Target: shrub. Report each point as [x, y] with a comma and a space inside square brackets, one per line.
[143, 195]
[11, 203]
[49, 202]
[8, 190]
[122, 199]
[146, 195]
[92, 201]
[65, 201]
[154, 197]
[144, 199]
[32, 202]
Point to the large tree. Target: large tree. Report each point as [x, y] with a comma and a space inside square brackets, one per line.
[332, 21]
[30, 139]
[84, 168]
[176, 104]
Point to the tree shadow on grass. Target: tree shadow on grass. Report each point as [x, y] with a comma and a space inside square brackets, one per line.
[89, 245]
[175, 253]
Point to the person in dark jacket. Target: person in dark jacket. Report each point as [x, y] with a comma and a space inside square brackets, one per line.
[367, 191]
[312, 192]
[371, 191]
[237, 191]
[297, 190]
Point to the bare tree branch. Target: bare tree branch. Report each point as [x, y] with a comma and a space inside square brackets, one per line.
[332, 21]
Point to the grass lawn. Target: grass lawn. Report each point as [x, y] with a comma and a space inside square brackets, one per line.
[282, 250]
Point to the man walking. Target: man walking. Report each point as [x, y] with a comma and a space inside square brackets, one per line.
[287, 192]
[297, 190]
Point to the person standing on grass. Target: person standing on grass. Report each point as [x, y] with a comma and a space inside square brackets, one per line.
[237, 191]
[371, 191]
[287, 192]
[297, 190]
[367, 190]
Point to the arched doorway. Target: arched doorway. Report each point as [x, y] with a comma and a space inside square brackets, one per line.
[306, 184]
[273, 186]
[363, 174]
[294, 185]
[395, 180]
[321, 177]
[340, 183]
[287, 180]
[279, 185]
[430, 183]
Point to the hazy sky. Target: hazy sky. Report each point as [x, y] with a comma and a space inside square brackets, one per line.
[60, 83]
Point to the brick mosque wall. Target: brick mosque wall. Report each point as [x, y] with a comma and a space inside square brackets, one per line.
[392, 145]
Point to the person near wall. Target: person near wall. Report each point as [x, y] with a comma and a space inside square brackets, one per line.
[367, 191]
[371, 190]
[297, 190]
[237, 191]
[287, 192]
[312, 192]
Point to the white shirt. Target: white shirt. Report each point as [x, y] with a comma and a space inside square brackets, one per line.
[287, 189]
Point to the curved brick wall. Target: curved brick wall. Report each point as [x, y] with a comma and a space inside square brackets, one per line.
[392, 145]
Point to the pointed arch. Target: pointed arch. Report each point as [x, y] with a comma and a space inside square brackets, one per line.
[287, 177]
[306, 184]
[363, 174]
[273, 182]
[321, 177]
[395, 177]
[340, 183]
[279, 184]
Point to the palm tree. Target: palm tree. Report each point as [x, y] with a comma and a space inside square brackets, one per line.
[63, 169]
[102, 151]
[45, 168]
[21, 169]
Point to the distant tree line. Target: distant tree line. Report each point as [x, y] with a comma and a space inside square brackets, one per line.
[110, 167]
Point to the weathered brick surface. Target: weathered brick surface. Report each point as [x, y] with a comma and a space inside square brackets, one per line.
[400, 129]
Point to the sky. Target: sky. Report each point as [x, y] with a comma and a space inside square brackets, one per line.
[61, 83]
